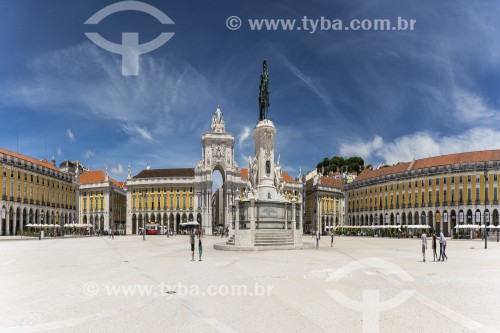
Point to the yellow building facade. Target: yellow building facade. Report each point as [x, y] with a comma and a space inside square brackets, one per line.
[441, 192]
[324, 204]
[103, 203]
[34, 192]
[160, 196]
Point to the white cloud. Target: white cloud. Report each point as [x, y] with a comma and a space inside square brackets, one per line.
[310, 83]
[423, 144]
[89, 153]
[59, 151]
[471, 107]
[136, 130]
[243, 136]
[361, 148]
[88, 80]
[118, 170]
[71, 136]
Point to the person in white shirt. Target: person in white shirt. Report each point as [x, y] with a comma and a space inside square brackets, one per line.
[424, 244]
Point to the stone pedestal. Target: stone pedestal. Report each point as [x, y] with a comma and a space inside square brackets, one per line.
[264, 153]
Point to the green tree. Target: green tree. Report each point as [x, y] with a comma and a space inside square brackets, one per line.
[340, 164]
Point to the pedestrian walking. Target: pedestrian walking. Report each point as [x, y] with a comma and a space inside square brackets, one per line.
[317, 239]
[441, 239]
[434, 246]
[331, 242]
[444, 249]
[191, 239]
[424, 244]
[200, 248]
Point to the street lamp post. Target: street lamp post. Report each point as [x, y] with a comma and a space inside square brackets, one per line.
[41, 223]
[143, 223]
[485, 222]
[3, 219]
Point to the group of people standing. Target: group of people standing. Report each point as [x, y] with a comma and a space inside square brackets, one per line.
[442, 246]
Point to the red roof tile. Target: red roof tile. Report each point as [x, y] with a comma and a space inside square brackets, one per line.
[332, 182]
[244, 174]
[468, 157]
[43, 163]
[97, 176]
[286, 177]
[367, 174]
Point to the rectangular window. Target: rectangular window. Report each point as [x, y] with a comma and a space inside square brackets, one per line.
[495, 177]
[460, 180]
[478, 178]
[444, 180]
[477, 193]
[430, 182]
[453, 179]
[469, 195]
[495, 194]
[469, 178]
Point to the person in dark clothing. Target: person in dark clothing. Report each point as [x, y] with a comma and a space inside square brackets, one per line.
[434, 250]
[200, 248]
[191, 239]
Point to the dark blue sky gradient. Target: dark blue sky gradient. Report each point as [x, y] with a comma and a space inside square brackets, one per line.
[385, 95]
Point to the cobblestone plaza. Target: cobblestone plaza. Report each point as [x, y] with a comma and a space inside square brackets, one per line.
[98, 284]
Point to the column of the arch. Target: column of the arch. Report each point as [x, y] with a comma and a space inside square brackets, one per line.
[7, 224]
[2, 219]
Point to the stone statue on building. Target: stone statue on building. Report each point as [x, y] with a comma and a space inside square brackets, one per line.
[278, 178]
[252, 173]
[218, 125]
[264, 92]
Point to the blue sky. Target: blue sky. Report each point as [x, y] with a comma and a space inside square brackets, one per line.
[384, 95]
